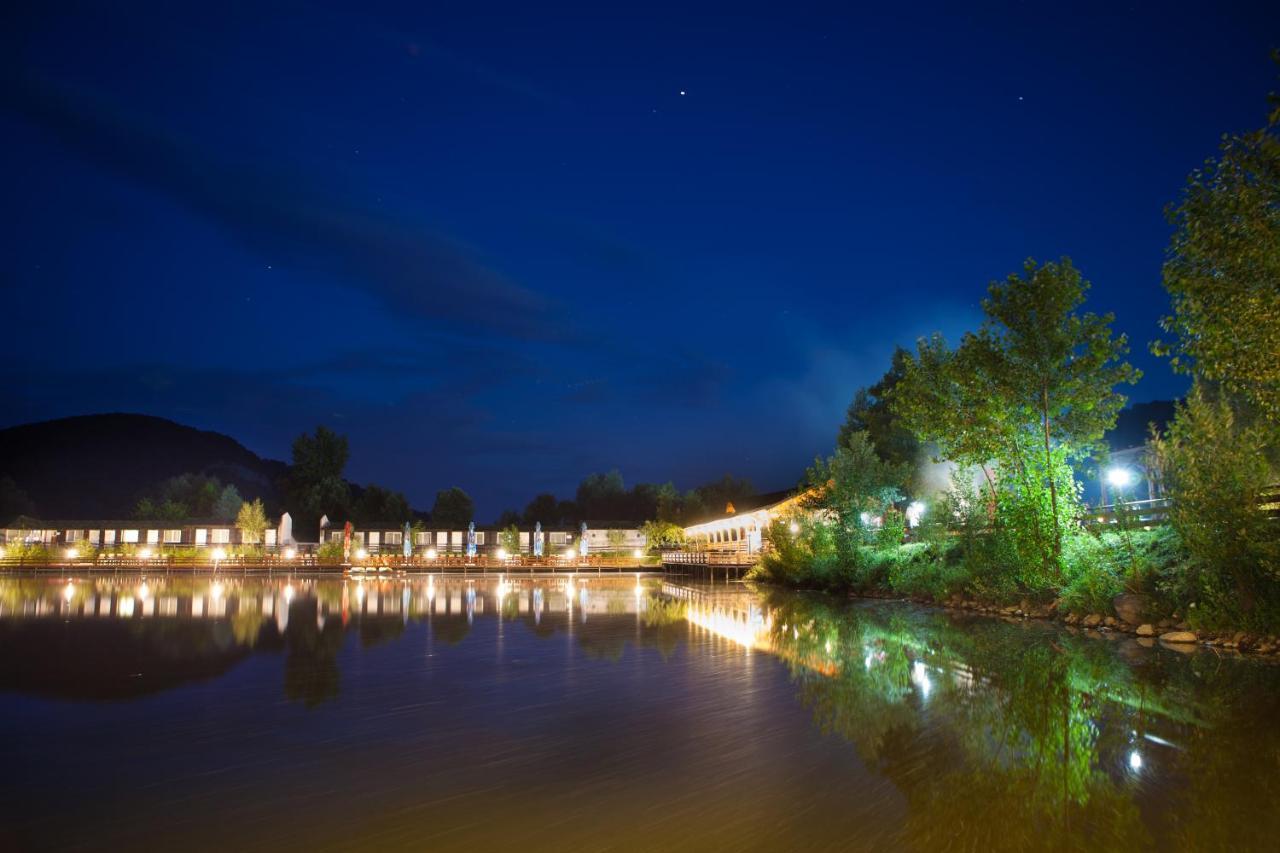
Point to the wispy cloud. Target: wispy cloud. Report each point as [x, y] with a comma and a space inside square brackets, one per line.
[282, 213]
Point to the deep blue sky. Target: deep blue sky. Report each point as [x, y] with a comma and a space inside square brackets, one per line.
[499, 248]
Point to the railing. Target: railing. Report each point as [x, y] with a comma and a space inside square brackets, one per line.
[709, 558]
[310, 562]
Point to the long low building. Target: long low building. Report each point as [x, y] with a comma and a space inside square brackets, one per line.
[161, 536]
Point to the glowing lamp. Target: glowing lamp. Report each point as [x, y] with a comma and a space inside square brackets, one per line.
[1118, 478]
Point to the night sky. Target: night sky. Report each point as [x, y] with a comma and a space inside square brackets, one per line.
[504, 246]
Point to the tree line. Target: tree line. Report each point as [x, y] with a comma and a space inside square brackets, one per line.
[1016, 410]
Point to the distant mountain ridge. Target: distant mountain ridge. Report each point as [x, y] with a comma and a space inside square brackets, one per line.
[98, 466]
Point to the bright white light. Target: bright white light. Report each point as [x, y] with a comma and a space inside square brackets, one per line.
[920, 675]
[68, 591]
[145, 553]
[571, 554]
[360, 591]
[289, 553]
[288, 592]
[71, 553]
[1135, 761]
[637, 553]
[795, 527]
[502, 553]
[1118, 478]
[431, 553]
[144, 591]
[219, 554]
[915, 511]
[215, 591]
[865, 518]
[361, 554]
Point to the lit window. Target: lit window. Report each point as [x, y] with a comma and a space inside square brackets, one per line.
[71, 535]
[558, 537]
[375, 538]
[220, 535]
[271, 536]
[202, 536]
[153, 537]
[479, 537]
[109, 537]
[394, 538]
[442, 538]
[129, 536]
[94, 536]
[172, 537]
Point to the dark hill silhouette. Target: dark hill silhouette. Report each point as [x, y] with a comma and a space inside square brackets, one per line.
[98, 466]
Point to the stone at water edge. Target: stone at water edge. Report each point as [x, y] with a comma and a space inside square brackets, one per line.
[1092, 620]
[1146, 631]
[1178, 637]
[1131, 608]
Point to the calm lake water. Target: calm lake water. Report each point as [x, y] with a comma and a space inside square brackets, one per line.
[605, 713]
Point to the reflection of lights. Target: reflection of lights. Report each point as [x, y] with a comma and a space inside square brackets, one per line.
[360, 591]
[1135, 760]
[725, 624]
[216, 590]
[431, 553]
[288, 592]
[126, 607]
[1118, 477]
[503, 588]
[144, 591]
[920, 677]
[68, 591]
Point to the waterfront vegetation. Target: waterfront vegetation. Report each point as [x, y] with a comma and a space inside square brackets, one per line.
[1017, 412]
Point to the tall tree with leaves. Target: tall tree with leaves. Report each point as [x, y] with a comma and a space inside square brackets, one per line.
[316, 474]
[870, 411]
[1222, 269]
[252, 521]
[453, 509]
[1057, 369]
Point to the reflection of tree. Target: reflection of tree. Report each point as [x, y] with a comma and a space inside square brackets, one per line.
[311, 666]
[374, 630]
[999, 738]
[452, 629]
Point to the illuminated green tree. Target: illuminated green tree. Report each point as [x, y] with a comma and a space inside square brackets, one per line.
[1222, 269]
[252, 521]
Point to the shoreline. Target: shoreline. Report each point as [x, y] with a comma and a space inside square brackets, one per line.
[1177, 636]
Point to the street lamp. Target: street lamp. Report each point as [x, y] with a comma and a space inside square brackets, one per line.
[1119, 477]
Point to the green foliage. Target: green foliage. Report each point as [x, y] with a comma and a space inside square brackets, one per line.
[508, 517]
[316, 474]
[1222, 270]
[870, 412]
[662, 534]
[509, 539]
[543, 508]
[330, 551]
[453, 509]
[377, 505]
[1217, 473]
[252, 521]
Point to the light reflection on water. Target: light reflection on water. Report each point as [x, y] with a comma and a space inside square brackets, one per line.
[572, 712]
